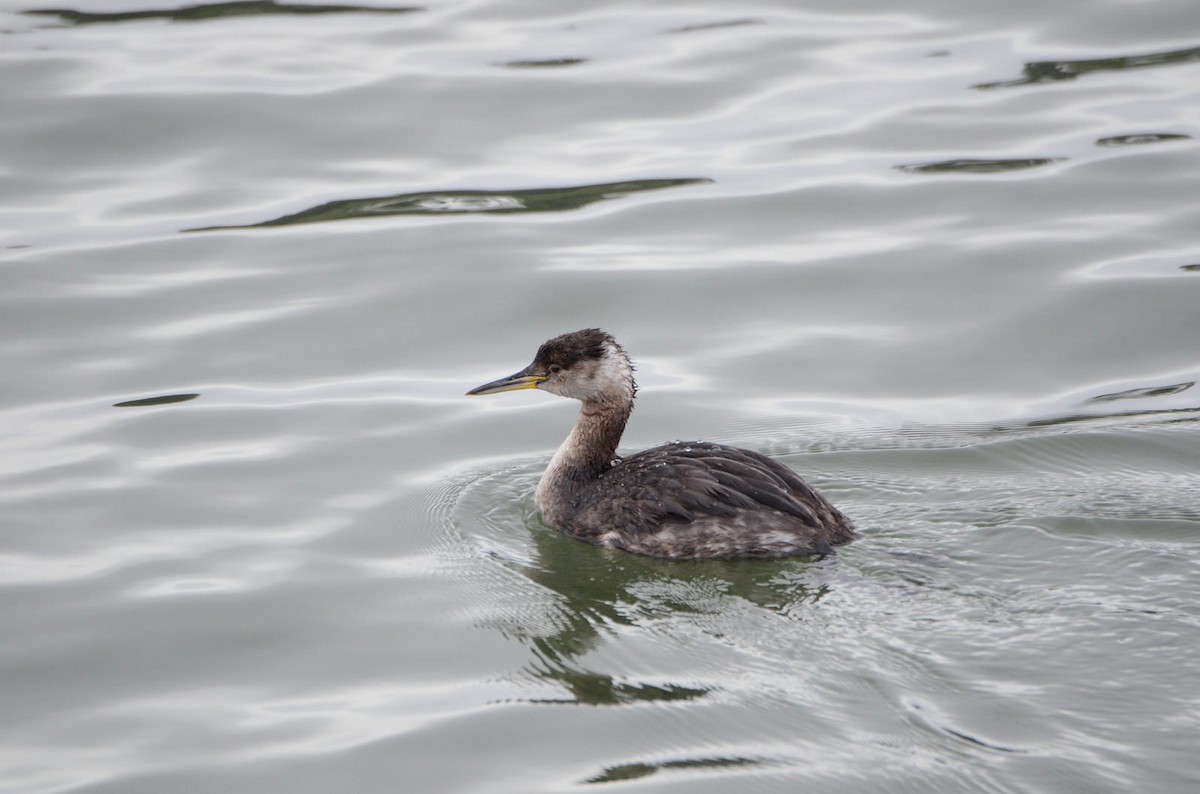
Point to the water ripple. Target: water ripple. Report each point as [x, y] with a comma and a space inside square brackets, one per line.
[329, 570]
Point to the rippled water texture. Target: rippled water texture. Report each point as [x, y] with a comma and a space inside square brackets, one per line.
[941, 258]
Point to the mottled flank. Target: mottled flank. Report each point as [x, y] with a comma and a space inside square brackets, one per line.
[696, 499]
[681, 500]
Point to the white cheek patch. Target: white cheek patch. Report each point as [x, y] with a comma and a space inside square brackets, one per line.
[613, 373]
[610, 375]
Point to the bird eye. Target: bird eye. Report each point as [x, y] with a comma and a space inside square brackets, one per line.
[555, 369]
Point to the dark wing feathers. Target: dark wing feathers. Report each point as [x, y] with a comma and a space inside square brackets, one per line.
[683, 482]
[752, 479]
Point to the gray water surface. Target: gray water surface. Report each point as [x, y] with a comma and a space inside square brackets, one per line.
[942, 259]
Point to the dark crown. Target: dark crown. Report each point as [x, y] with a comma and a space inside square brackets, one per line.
[574, 347]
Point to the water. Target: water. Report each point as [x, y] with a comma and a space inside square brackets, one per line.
[942, 260]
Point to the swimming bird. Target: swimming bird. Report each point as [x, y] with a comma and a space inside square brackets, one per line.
[683, 500]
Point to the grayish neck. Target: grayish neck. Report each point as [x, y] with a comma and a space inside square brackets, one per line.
[588, 451]
[593, 442]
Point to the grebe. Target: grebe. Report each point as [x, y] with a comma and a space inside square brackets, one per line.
[684, 500]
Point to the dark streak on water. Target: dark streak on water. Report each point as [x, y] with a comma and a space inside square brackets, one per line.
[634, 771]
[1142, 138]
[165, 399]
[1055, 71]
[1149, 391]
[545, 63]
[1191, 414]
[733, 23]
[980, 743]
[460, 202]
[595, 689]
[209, 11]
[977, 166]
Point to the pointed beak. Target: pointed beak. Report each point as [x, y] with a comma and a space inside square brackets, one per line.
[520, 380]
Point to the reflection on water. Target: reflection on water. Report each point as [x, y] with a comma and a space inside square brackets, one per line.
[165, 399]
[549, 62]
[1100, 409]
[1054, 71]
[1174, 414]
[597, 689]
[1149, 391]
[640, 770]
[601, 592]
[973, 166]
[591, 601]
[733, 23]
[1145, 137]
[1166, 411]
[205, 11]
[460, 202]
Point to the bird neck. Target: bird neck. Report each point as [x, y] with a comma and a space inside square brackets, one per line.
[588, 451]
[592, 444]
